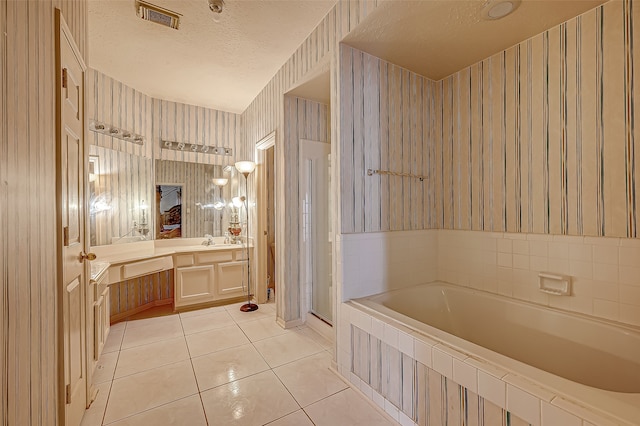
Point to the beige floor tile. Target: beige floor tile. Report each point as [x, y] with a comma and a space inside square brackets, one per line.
[225, 366]
[240, 317]
[150, 356]
[316, 337]
[149, 389]
[346, 408]
[262, 329]
[105, 368]
[145, 322]
[94, 414]
[309, 379]
[142, 334]
[114, 340]
[204, 311]
[234, 307]
[205, 322]
[268, 307]
[187, 411]
[255, 400]
[299, 418]
[288, 347]
[215, 340]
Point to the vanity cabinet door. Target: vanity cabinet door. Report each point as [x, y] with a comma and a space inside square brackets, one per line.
[194, 284]
[101, 322]
[232, 277]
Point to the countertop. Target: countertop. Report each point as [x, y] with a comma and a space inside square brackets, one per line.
[117, 254]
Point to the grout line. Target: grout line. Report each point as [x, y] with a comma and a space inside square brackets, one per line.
[195, 376]
[299, 330]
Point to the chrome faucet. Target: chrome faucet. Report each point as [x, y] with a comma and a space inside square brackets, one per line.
[208, 240]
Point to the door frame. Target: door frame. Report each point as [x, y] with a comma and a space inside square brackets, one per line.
[305, 292]
[261, 256]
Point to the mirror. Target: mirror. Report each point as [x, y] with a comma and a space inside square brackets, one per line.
[203, 205]
[121, 191]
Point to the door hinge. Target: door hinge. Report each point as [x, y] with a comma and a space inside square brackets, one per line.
[68, 389]
[64, 78]
[65, 233]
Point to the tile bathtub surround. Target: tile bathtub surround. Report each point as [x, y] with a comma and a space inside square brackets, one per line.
[434, 391]
[376, 262]
[604, 271]
[416, 392]
[176, 370]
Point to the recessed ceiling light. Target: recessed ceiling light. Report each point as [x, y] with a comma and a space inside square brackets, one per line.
[497, 9]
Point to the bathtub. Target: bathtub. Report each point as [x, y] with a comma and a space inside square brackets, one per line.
[592, 362]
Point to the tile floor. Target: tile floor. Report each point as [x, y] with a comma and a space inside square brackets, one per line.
[220, 366]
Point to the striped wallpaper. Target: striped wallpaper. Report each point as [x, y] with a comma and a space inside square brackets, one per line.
[539, 138]
[28, 377]
[386, 122]
[304, 119]
[266, 114]
[192, 124]
[4, 211]
[113, 102]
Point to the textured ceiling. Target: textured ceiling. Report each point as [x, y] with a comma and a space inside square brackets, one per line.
[225, 65]
[220, 65]
[436, 38]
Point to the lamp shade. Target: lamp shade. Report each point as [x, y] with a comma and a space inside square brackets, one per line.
[237, 201]
[220, 181]
[245, 166]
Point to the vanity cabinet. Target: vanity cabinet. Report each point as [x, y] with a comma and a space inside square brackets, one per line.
[101, 312]
[211, 276]
[194, 285]
[232, 277]
[102, 323]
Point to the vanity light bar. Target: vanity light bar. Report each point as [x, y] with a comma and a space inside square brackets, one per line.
[115, 132]
[203, 149]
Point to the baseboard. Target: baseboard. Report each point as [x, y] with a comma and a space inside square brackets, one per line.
[322, 328]
[289, 324]
[123, 315]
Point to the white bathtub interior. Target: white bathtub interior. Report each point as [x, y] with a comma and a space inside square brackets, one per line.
[574, 356]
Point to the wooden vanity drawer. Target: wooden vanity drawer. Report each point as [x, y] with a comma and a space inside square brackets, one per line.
[215, 256]
[184, 260]
[146, 267]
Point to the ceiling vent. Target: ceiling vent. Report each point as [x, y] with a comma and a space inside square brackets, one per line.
[157, 14]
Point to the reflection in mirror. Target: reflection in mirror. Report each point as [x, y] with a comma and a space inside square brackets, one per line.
[204, 203]
[121, 186]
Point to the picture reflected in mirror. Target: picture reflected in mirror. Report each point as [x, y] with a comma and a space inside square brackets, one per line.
[169, 211]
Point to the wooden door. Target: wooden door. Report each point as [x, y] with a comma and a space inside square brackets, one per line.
[72, 272]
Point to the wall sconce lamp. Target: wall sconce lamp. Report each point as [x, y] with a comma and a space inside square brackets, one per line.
[143, 226]
[246, 167]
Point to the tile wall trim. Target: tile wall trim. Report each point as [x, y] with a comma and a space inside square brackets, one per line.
[530, 402]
